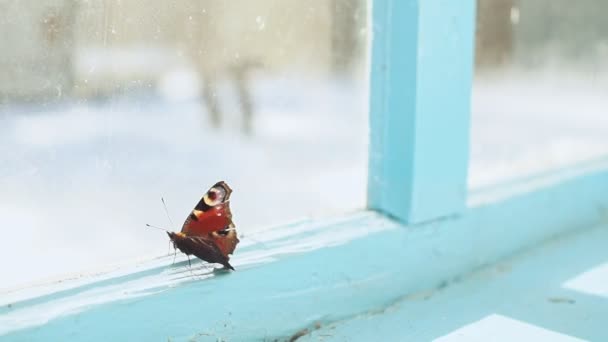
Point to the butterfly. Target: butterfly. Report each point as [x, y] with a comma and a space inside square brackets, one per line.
[208, 232]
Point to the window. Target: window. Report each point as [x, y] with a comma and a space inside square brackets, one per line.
[110, 105]
[417, 236]
[539, 91]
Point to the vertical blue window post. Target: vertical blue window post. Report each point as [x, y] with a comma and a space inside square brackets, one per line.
[421, 78]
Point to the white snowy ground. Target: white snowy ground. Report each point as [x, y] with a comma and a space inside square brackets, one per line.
[78, 181]
[527, 123]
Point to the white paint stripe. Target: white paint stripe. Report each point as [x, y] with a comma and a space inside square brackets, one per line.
[594, 281]
[498, 328]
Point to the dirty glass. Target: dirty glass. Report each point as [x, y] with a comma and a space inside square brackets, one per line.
[107, 106]
[540, 93]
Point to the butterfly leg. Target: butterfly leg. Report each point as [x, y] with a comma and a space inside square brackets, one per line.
[174, 256]
[190, 265]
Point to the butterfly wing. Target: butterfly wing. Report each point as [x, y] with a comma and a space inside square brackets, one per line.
[200, 223]
[211, 214]
[208, 232]
[226, 240]
[202, 247]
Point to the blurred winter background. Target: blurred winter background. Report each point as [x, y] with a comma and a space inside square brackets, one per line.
[540, 95]
[107, 105]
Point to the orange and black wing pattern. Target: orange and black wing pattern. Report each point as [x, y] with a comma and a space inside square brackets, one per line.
[211, 214]
[208, 232]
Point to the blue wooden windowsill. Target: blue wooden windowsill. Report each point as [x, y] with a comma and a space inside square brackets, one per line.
[552, 292]
[304, 274]
[293, 278]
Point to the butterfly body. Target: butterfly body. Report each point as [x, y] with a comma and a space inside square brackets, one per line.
[208, 232]
[201, 248]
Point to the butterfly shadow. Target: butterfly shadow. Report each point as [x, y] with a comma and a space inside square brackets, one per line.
[195, 269]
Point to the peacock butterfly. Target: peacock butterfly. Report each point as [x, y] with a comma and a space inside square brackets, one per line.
[208, 232]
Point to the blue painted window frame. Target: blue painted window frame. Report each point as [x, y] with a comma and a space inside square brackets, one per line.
[420, 90]
[419, 233]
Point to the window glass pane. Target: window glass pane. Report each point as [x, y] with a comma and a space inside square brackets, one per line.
[541, 86]
[107, 106]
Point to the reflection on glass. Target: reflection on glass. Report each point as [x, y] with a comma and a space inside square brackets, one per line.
[108, 105]
[540, 90]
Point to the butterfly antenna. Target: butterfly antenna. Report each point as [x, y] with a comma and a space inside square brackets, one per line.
[155, 227]
[166, 211]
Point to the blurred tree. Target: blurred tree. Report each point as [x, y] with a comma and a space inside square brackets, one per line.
[347, 17]
[494, 35]
[37, 60]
